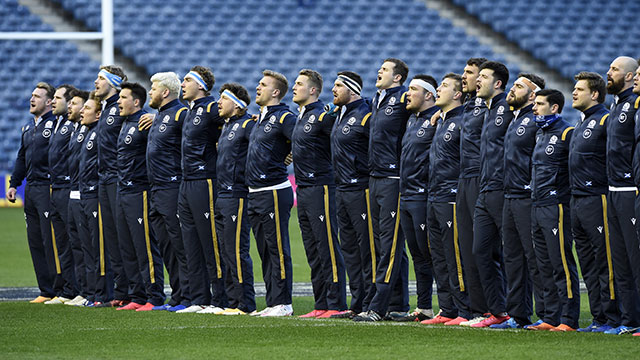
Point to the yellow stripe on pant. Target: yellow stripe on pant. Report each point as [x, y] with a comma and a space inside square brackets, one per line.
[216, 251]
[372, 243]
[392, 258]
[147, 239]
[283, 274]
[607, 244]
[456, 248]
[101, 240]
[562, 250]
[238, 233]
[53, 238]
[334, 268]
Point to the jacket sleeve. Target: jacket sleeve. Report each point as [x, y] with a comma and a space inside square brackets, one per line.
[20, 168]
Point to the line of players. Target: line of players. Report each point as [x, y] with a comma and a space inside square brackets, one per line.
[489, 188]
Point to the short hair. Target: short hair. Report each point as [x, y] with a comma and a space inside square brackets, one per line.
[314, 77]
[168, 80]
[455, 77]
[237, 90]
[94, 97]
[554, 97]
[401, 68]
[281, 81]
[353, 76]
[428, 78]
[500, 72]
[207, 75]
[115, 70]
[48, 88]
[534, 79]
[138, 92]
[84, 95]
[595, 82]
[476, 61]
[68, 89]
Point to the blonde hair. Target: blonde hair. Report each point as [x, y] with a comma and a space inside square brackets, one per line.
[168, 80]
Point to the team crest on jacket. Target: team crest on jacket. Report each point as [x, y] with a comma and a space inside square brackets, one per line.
[163, 128]
[553, 140]
[389, 110]
[166, 119]
[64, 130]
[199, 111]
[131, 130]
[312, 119]
[478, 102]
[197, 120]
[89, 145]
[272, 119]
[525, 121]
[626, 107]
[306, 128]
[231, 135]
[499, 120]
[623, 117]
[346, 129]
[392, 101]
[451, 127]
[267, 128]
[46, 133]
[420, 132]
[112, 111]
[235, 127]
[351, 121]
[592, 124]
[586, 133]
[110, 120]
[549, 150]
[447, 136]
[476, 110]
[80, 138]
[48, 124]
[500, 110]
[520, 130]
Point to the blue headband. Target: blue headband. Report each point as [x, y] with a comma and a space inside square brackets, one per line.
[241, 104]
[544, 121]
[195, 76]
[114, 80]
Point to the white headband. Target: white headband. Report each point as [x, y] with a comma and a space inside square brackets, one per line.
[241, 104]
[350, 84]
[195, 76]
[425, 85]
[528, 83]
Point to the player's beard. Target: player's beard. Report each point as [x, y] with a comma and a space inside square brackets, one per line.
[615, 86]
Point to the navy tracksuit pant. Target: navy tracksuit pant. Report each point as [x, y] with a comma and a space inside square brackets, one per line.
[590, 230]
[447, 262]
[269, 212]
[78, 246]
[163, 215]
[487, 249]
[358, 246]
[551, 232]
[65, 283]
[37, 211]
[202, 248]
[625, 254]
[413, 220]
[317, 219]
[233, 229]
[139, 248]
[107, 197]
[466, 199]
[392, 273]
[520, 266]
[99, 273]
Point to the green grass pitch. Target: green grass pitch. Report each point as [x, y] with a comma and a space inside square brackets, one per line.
[41, 331]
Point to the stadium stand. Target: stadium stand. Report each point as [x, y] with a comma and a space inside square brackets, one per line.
[23, 64]
[570, 36]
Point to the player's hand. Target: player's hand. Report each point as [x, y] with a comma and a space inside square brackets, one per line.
[255, 117]
[289, 159]
[145, 121]
[11, 194]
[434, 117]
[331, 109]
